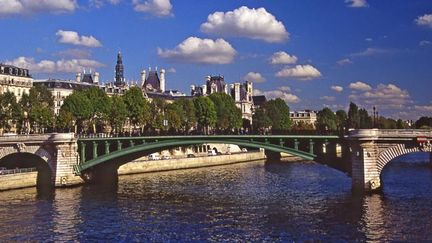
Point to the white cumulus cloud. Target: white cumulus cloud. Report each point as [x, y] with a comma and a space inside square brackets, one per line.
[26, 7]
[337, 88]
[254, 77]
[273, 94]
[282, 57]
[73, 38]
[49, 66]
[384, 96]
[301, 72]
[197, 50]
[357, 3]
[245, 22]
[328, 98]
[159, 8]
[360, 86]
[344, 62]
[425, 20]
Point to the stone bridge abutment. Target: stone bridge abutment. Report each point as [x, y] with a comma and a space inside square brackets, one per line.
[58, 151]
[372, 149]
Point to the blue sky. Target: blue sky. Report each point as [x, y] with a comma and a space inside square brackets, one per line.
[311, 53]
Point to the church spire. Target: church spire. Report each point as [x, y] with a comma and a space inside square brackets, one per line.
[119, 77]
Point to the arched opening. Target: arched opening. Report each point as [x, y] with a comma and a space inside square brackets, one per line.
[18, 162]
[408, 175]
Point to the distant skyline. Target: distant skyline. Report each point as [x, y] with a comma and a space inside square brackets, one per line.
[311, 53]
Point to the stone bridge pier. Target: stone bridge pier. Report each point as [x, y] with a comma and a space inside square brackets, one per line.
[58, 150]
[372, 149]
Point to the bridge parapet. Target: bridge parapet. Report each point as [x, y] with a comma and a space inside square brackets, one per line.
[385, 134]
[373, 149]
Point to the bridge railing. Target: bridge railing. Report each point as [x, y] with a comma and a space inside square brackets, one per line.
[16, 171]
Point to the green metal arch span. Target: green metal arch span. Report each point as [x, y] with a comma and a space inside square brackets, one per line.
[174, 143]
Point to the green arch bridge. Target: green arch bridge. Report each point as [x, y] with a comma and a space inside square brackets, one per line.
[94, 152]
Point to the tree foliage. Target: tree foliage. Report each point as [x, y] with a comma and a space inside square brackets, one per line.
[228, 114]
[10, 111]
[117, 113]
[278, 112]
[80, 107]
[137, 106]
[326, 120]
[205, 113]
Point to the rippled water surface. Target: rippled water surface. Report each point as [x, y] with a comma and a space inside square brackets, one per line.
[256, 201]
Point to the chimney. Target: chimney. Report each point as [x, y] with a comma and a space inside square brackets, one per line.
[78, 77]
[237, 91]
[96, 77]
[162, 80]
[143, 77]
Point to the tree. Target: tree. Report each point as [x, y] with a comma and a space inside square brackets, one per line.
[158, 114]
[174, 116]
[228, 114]
[341, 120]
[365, 121]
[38, 105]
[353, 116]
[100, 105]
[278, 112]
[424, 122]
[260, 120]
[326, 120]
[117, 114]
[187, 115]
[64, 120]
[205, 113]
[138, 108]
[80, 107]
[10, 111]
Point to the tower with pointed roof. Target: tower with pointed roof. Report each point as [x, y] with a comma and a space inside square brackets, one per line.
[119, 69]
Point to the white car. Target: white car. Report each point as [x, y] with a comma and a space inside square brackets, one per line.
[211, 153]
[244, 150]
[153, 157]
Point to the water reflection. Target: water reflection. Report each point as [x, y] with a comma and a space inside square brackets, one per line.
[244, 202]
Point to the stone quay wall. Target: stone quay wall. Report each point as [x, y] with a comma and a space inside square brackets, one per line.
[142, 165]
[18, 180]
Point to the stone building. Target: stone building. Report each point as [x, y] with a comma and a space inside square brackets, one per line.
[241, 93]
[60, 89]
[306, 116]
[15, 80]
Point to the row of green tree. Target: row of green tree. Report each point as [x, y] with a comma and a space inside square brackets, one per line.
[356, 118]
[92, 111]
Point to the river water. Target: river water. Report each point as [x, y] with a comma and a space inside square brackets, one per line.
[257, 201]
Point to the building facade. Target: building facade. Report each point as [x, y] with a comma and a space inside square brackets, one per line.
[241, 93]
[15, 80]
[60, 89]
[306, 116]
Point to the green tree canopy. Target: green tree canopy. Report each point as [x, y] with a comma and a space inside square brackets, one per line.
[137, 106]
[341, 120]
[80, 107]
[187, 116]
[353, 116]
[326, 120]
[10, 111]
[260, 120]
[117, 113]
[205, 113]
[228, 114]
[278, 112]
[424, 122]
[100, 105]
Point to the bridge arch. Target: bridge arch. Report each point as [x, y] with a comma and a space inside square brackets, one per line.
[395, 151]
[128, 154]
[40, 159]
